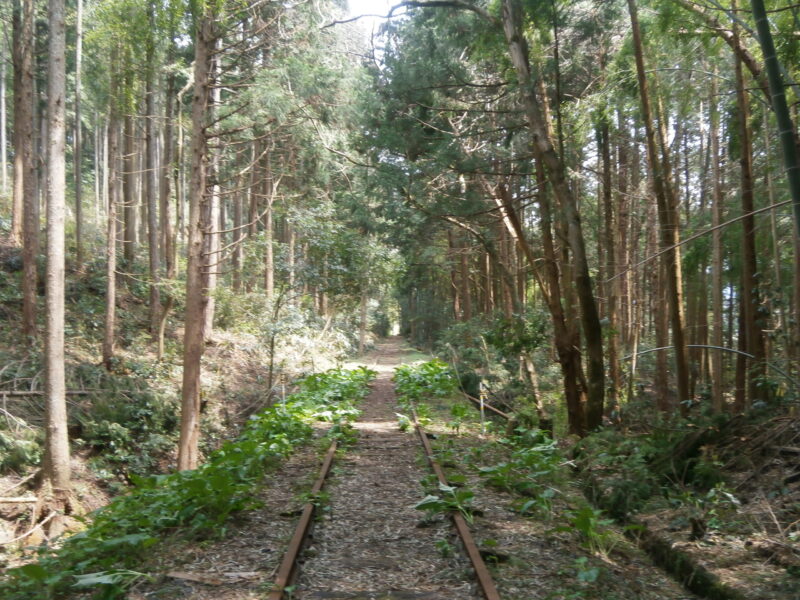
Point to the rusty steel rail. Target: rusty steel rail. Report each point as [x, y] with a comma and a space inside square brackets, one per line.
[481, 571]
[487, 406]
[287, 567]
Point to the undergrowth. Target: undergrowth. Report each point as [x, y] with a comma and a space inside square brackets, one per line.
[103, 557]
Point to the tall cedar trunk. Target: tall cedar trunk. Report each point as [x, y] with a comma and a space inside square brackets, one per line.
[112, 194]
[454, 260]
[78, 147]
[667, 213]
[151, 182]
[166, 212]
[129, 191]
[466, 295]
[752, 334]
[623, 204]
[290, 263]
[211, 242]
[196, 293]
[3, 121]
[22, 56]
[269, 259]
[25, 218]
[566, 344]
[167, 257]
[109, 334]
[612, 295]
[717, 199]
[362, 323]
[56, 461]
[777, 283]
[236, 258]
[545, 152]
[777, 91]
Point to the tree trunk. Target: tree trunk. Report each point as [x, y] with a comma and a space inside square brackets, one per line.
[362, 323]
[545, 152]
[129, 192]
[609, 223]
[78, 148]
[112, 194]
[717, 385]
[25, 217]
[786, 128]
[151, 184]
[3, 120]
[196, 292]
[667, 204]
[56, 462]
[212, 236]
[752, 334]
[236, 259]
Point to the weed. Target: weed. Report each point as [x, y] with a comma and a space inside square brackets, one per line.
[450, 499]
[445, 548]
[199, 501]
[593, 527]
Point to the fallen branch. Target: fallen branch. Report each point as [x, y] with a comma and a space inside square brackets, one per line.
[40, 393]
[19, 500]
[19, 483]
[34, 528]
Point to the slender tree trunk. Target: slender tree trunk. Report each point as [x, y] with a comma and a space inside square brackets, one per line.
[236, 259]
[362, 323]
[22, 55]
[212, 236]
[78, 148]
[3, 120]
[196, 292]
[665, 199]
[786, 128]
[610, 222]
[25, 217]
[545, 152]
[151, 184]
[56, 462]
[752, 334]
[717, 385]
[129, 192]
[466, 296]
[112, 197]
[455, 290]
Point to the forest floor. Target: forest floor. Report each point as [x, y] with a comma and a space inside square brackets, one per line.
[369, 542]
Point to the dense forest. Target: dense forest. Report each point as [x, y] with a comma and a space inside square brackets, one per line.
[590, 209]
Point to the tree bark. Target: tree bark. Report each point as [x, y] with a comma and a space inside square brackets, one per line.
[666, 202]
[129, 192]
[3, 119]
[78, 148]
[717, 384]
[151, 183]
[112, 195]
[56, 462]
[196, 292]
[545, 152]
[752, 333]
[25, 217]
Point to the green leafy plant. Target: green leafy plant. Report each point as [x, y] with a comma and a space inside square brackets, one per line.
[445, 548]
[459, 413]
[593, 527]
[448, 500]
[198, 502]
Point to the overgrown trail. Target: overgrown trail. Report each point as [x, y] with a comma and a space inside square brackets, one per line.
[369, 544]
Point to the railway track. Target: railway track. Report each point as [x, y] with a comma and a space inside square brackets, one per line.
[289, 568]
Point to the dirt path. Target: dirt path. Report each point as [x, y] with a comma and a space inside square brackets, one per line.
[369, 544]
